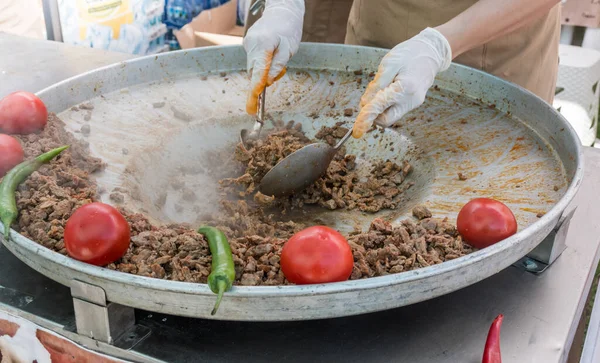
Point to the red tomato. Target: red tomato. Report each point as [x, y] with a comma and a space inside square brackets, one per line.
[316, 255]
[22, 113]
[11, 153]
[483, 222]
[97, 234]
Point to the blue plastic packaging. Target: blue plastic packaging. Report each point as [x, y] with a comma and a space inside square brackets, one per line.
[180, 12]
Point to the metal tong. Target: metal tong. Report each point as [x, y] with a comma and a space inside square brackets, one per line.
[246, 136]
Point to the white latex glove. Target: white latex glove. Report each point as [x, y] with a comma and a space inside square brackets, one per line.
[403, 78]
[270, 43]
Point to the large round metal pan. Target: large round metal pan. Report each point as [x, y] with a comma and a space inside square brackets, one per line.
[509, 143]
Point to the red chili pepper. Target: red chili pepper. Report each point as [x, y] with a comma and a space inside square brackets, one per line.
[491, 353]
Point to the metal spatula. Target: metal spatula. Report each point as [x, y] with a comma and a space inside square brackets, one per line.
[300, 169]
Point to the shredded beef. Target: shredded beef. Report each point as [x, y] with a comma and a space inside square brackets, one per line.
[339, 188]
[385, 249]
[177, 252]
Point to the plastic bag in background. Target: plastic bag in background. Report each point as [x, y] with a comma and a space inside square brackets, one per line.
[99, 36]
[180, 12]
[177, 13]
[128, 26]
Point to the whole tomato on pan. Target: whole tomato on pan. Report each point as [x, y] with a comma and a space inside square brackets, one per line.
[11, 153]
[22, 113]
[97, 233]
[483, 222]
[316, 255]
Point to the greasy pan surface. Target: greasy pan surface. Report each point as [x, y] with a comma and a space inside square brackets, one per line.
[507, 143]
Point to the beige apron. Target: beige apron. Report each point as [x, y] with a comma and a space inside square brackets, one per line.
[325, 21]
[527, 57]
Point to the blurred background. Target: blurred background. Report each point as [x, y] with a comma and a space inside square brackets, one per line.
[131, 26]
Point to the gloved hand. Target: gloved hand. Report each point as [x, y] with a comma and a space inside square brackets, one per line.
[270, 43]
[403, 78]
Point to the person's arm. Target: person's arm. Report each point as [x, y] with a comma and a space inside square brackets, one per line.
[487, 20]
[409, 69]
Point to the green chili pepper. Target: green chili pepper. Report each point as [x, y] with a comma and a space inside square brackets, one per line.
[222, 271]
[10, 182]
